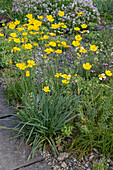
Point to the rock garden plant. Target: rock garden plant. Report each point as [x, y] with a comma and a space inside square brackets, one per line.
[61, 84]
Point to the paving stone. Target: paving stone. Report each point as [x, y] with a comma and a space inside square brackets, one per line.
[37, 166]
[4, 109]
[13, 156]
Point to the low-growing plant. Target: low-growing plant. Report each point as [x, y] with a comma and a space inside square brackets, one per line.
[75, 12]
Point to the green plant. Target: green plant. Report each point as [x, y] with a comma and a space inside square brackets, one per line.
[100, 165]
[41, 123]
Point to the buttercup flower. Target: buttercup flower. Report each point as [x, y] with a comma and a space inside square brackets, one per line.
[108, 73]
[21, 66]
[54, 26]
[76, 43]
[78, 37]
[28, 46]
[1, 35]
[16, 49]
[87, 66]
[65, 76]
[35, 44]
[61, 13]
[25, 39]
[49, 50]
[52, 43]
[84, 26]
[31, 63]
[76, 28]
[93, 48]
[79, 13]
[24, 33]
[13, 35]
[58, 75]
[65, 81]
[17, 40]
[58, 51]
[46, 89]
[27, 74]
[40, 17]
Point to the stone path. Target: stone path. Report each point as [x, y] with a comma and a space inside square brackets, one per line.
[12, 155]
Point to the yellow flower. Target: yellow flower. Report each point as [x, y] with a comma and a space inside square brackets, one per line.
[3, 24]
[11, 62]
[27, 74]
[49, 16]
[31, 63]
[108, 73]
[46, 45]
[64, 26]
[41, 38]
[16, 49]
[58, 41]
[37, 23]
[40, 33]
[102, 76]
[35, 44]
[13, 35]
[33, 33]
[20, 29]
[1, 35]
[54, 26]
[21, 66]
[28, 46]
[79, 13]
[58, 75]
[24, 33]
[40, 17]
[63, 43]
[93, 48]
[10, 39]
[17, 22]
[11, 25]
[58, 51]
[46, 89]
[25, 39]
[84, 26]
[78, 37]
[17, 40]
[65, 81]
[87, 66]
[79, 55]
[52, 34]
[30, 27]
[49, 50]
[76, 28]
[82, 50]
[52, 43]
[30, 16]
[84, 31]
[45, 37]
[45, 56]
[50, 19]
[36, 28]
[61, 13]
[23, 46]
[75, 75]
[65, 76]
[76, 43]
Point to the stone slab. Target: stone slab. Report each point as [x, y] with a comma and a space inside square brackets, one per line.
[13, 156]
[4, 109]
